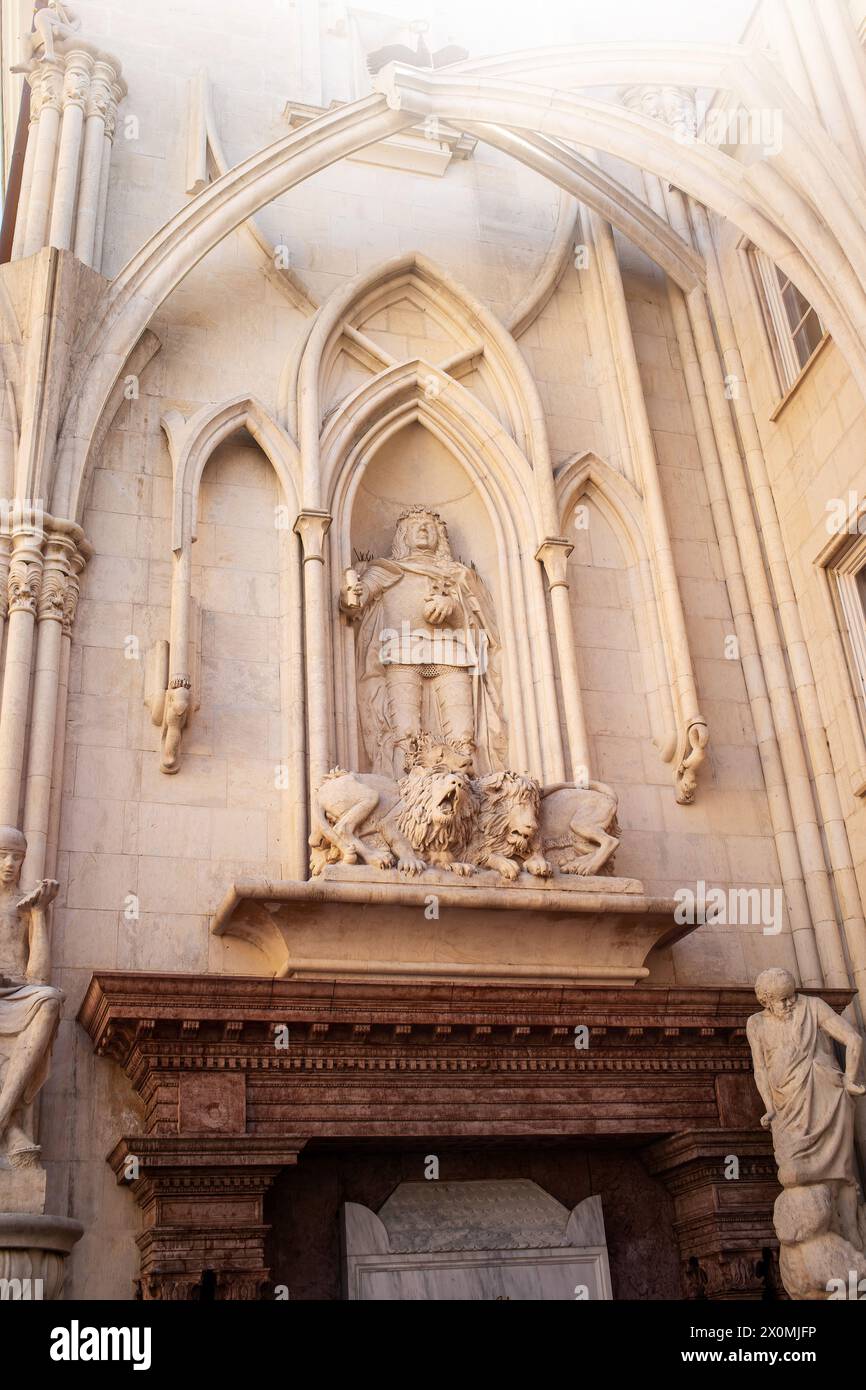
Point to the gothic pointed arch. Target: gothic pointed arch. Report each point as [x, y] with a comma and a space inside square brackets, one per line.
[773, 201]
[465, 337]
[588, 477]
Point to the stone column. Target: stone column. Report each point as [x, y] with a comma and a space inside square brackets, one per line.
[118, 91]
[691, 727]
[799, 914]
[98, 106]
[25, 574]
[723, 1184]
[51, 609]
[831, 102]
[848, 59]
[47, 129]
[76, 86]
[203, 1205]
[27, 171]
[70, 606]
[553, 554]
[797, 714]
[312, 527]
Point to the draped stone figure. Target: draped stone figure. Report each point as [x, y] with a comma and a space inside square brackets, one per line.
[810, 1111]
[427, 649]
[29, 1005]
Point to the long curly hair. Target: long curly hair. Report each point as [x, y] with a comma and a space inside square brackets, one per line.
[401, 548]
[419, 794]
[500, 791]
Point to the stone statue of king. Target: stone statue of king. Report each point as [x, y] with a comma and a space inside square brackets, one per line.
[29, 1005]
[427, 650]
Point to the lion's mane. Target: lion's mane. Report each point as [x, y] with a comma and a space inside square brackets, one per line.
[418, 800]
[499, 792]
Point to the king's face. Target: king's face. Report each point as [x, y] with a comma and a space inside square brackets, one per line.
[422, 533]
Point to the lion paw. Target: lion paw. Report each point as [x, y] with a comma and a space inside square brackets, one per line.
[411, 866]
[541, 868]
[381, 861]
[509, 869]
[583, 867]
[462, 870]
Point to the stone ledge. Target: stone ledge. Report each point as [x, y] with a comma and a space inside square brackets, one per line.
[360, 922]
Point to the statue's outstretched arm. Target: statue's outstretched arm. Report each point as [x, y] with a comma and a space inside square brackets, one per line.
[37, 904]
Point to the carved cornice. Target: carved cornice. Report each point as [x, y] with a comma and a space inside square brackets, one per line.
[653, 1054]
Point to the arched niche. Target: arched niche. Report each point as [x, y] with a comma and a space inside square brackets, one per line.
[609, 569]
[412, 445]
[413, 465]
[236, 573]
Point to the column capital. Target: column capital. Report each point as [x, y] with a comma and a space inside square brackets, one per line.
[73, 590]
[48, 81]
[100, 96]
[25, 571]
[553, 554]
[76, 81]
[60, 549]
[312, 526]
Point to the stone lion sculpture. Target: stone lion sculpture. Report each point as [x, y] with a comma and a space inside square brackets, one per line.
[507, 835]
[582, 821]
[423, 820]
[519, 824]
[439, 816]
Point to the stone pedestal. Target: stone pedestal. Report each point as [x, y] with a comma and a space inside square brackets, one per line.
[33, 1251]
[360, 922]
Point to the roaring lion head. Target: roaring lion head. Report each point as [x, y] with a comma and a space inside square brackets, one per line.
[438, 808]
[509, 818]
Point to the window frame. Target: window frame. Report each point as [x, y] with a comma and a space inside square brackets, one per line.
[842, 561]
[781, 334]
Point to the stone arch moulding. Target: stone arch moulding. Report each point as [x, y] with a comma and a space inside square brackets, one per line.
[171, 692]
[773, 201]
[506, 440]
[482, 342]
[680, 741]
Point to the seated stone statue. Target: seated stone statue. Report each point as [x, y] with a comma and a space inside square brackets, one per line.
[809, 1099]
[29, 1005]
[54, 23]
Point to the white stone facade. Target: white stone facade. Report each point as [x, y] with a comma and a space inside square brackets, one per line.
[577, 377]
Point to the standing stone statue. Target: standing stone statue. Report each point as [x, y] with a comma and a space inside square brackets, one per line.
[809, 1100]
[427, 651]
[29, 1005]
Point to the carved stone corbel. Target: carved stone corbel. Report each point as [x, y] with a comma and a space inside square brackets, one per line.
[171, 685]
[691, 752]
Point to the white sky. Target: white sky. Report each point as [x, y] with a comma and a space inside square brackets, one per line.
[498, 26]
